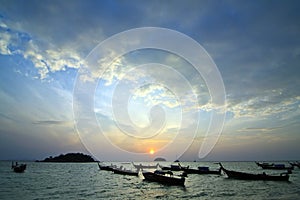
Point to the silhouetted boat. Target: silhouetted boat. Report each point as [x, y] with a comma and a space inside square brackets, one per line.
[249, 176]
[202, 170]
[106, 167]
[265, 164]
[295, 164]
[125, 171]
[164, 178]
[140, 166]
[18, 168]
[174, 168]
[274, 166]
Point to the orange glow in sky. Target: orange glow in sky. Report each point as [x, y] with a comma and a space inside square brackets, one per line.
[151, 151]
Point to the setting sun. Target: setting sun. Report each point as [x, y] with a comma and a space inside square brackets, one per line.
[151, 151]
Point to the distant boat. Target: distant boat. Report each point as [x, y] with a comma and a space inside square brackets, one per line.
[164, 178]
[125, 171]
[249, 176]
[202, 170]
[18, 168]
[265, 164]
[140, 166]
[174, 167]
[274, 166]
[106, 167]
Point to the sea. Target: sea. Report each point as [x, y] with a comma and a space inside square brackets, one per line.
[86, 181]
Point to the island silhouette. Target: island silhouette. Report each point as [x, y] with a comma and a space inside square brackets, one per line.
[160, 159]
[69, 157]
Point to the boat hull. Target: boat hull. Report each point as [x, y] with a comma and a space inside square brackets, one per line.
[19, 168]
[197, 171]
[171, 169]
[248, 176]
[277, 168]
[174, 168]
[140, 166]
[295, 164]
[274, 166]
[123, 172]
[168, 180]
[105, 167]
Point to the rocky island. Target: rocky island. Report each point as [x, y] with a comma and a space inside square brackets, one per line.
[70, 157]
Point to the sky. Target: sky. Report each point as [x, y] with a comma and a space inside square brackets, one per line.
[58, 95]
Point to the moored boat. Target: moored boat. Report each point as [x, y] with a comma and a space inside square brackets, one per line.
[174, 168]
[264, 164]
[18, 168]
[164, 177]
[250, 176]
[275, 166]
[295, 164]
[106, 167]
[202, 170]
[125, 171]
[140, 166]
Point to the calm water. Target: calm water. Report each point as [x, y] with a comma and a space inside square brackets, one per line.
[85, 181]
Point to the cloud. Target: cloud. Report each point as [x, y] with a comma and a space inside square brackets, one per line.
[271, 103]
[8, 118]
[52, 122]
[156, 94]
[4, 42]
[259, 129]
[44, 57]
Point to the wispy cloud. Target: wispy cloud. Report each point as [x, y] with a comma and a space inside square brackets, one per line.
[46, 57]
[259, 129]
[52, 122]
[265, 105]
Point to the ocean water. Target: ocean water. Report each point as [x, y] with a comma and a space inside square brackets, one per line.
[86, 181]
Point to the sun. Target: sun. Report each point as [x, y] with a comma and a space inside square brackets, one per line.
[151, 151]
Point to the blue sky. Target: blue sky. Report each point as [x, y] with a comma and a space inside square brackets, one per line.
[254, 44]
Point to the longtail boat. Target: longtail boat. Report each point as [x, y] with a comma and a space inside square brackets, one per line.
[295, 164]
[140, 166]
[164, 178]
[275, 166]
[174, 168]
[18, 168]
[125, 171]
[106, 167]
[249, 176]
[202, 170]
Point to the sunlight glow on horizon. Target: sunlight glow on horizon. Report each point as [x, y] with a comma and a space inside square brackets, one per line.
[151, 151]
